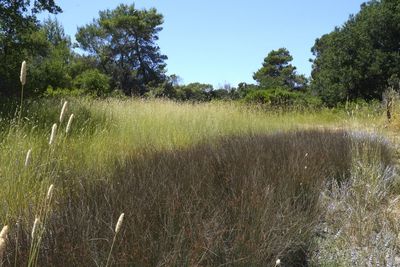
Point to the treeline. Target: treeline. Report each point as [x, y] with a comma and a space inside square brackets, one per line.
[120, 55]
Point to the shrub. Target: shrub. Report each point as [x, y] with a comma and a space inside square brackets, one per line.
[93, 81]
[282, 98]
[197, 92]
[63, 92]
[166, 89]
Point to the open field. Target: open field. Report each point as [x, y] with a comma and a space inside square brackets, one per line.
[121, 146]
[217, 184]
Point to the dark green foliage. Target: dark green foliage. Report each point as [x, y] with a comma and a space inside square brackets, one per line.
[194, 92]
[20, 40]
[277, 71]
[93, 82]
[81, 63]
[222, 94]
[48, 55]
[244, 88]
[123, 41]
[226, 92]
[64, 92]
[357, 59]
[281, 97]
[52, 67]
[278, 84]
[165, 90]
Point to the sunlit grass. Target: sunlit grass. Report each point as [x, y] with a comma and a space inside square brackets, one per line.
[105, 130]
[108, 133]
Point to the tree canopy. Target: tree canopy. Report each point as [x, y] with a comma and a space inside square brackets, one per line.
[123, 41]
[20, 38]
[278, 72]
[358, 59]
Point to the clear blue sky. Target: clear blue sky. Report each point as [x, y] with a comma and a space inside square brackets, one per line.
[218, 41]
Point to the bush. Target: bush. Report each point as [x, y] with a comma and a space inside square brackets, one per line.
[165, 89]
[197, 92]
[282, 98]
[63, 92]
[93, 81]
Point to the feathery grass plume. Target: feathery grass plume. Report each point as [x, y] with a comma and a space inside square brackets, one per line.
[50, 192]
[53, 133]
[119, 223]
[69, 123]
[35, 227]
[4, 232]
[22, 76]
[28, 157]
[63, 109]
[3, 237]
[278, 263]
[2, 249]
[117, 229]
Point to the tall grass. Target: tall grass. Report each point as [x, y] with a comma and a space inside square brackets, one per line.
[107, 130]
[360, 226]
[207, 184]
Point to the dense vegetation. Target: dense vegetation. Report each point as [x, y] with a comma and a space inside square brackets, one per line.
[358, 60]
[292, 171]
[361, 58]
[204, 184]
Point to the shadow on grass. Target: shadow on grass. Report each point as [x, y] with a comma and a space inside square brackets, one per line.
[239, 201]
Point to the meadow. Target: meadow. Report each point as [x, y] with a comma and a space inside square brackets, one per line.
[211, 184]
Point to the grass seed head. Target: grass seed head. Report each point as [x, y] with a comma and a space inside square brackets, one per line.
[4, 232]
[2, 248]
[69, 123]
[53, 133]
[119, 223]
[50, 192]
[63, 109]
[28, 157]
[35, 227]
[22, 76]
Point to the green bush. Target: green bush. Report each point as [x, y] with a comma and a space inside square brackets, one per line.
[93, 81]
[166, 89]
[63, 92]
[197, 92]
[282, 98]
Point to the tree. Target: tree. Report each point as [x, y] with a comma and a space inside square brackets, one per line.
[52, 67]
[93, 82]
[277, 72]
[194, 92]
[20, 39]
[124, 42]
[357, 59]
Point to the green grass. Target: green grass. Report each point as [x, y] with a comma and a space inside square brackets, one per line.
[202, 184]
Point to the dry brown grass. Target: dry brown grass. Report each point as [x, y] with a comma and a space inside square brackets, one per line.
[238, 201]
